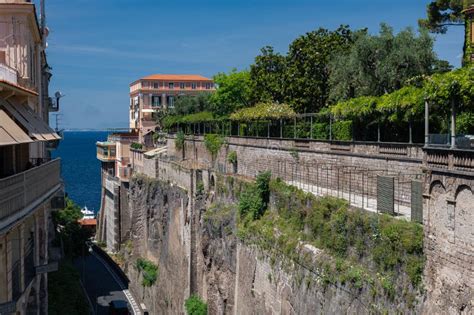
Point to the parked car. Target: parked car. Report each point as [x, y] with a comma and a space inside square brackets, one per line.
[119, 307]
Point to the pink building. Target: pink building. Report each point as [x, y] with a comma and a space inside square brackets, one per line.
[157, 92]
[30, 182]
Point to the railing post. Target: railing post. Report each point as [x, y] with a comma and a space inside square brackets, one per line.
[330, 127]
[378, 131]
[410, 131]
[294, 129]
[427, 122]
[453, 124]
[281, 128]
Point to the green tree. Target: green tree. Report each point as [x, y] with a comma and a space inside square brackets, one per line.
[70, 232]
[375, 65]
[268, 76]
[233, 92]
[307, 74]
[440, 14]
[188, 104]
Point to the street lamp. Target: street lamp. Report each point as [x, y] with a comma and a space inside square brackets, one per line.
[58, 95]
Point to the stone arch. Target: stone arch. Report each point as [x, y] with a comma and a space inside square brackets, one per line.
[440, 219]
[464, 228]
[437, 187]
[462, 188]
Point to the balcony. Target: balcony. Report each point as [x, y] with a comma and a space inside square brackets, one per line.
[106, 151]
[8, 74]
[149, 123]
[21, 190]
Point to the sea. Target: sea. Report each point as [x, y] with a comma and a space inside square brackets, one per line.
[80, 167]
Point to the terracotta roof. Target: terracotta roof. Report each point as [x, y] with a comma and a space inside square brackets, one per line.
[88, 222]
[176, 77]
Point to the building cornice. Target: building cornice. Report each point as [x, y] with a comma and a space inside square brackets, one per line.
[25, 8]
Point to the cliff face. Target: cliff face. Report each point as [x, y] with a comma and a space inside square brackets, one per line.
[194, 240]
[159, 232]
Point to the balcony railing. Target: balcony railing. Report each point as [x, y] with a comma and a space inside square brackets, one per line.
[20, 190]
[148, 123]
[8, 74]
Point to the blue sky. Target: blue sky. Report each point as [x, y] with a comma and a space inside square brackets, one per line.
[96, 48]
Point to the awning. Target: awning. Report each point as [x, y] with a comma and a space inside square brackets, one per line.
[36, 127]
[10, 132]
[156, 152]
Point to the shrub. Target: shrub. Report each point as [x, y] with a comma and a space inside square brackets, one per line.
[149, 271]
[254, 199]
[232, 157]
[213, 143]
[250, 203]
[195, 306]
[136, 146]
[342, 130]
[321, 131]
[179, 141]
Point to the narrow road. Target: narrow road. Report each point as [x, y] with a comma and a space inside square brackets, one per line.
[101, 285]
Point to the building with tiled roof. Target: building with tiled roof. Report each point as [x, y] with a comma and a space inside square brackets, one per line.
[157, 92]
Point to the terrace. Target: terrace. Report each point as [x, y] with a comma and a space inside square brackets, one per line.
[24, 190]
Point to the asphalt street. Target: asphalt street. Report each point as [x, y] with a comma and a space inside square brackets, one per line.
[100, 285]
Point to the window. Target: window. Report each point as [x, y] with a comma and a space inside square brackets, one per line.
[171, 85]
[156, 85]
[193, 85]
[181, 86]
[170, 101]
[156, 101]
[208, 86]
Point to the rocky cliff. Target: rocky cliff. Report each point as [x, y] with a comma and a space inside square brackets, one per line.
[203, 245]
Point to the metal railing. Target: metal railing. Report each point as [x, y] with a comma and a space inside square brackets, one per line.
[20, 190]
[443, 140]
[8, 74]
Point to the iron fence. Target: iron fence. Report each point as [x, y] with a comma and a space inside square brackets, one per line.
[359, 185]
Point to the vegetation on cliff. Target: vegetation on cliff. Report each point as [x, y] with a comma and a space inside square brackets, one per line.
[148, 270]
[195, 306]
[361, 249]
[213, 143]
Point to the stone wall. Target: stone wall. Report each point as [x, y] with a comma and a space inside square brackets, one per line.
[191, 236]
[169, 227]
[449, 242]
[343, 169]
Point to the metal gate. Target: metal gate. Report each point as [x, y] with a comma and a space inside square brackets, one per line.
[386, 194]
[417, 201]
